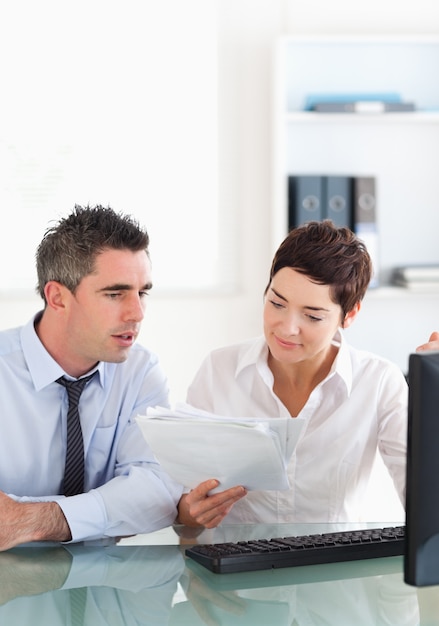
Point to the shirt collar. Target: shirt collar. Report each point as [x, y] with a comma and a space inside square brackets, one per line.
[43, 369]
[342, 366]
[255, 353]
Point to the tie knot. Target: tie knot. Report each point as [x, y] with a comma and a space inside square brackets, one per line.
[75, 385]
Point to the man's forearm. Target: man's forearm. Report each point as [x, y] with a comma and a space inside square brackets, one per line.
[22, 522]
[32, 572]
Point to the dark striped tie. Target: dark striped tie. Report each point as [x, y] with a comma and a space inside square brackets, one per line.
[78, 599]
[74, 469]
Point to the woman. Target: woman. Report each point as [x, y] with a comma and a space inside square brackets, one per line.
[353, 402]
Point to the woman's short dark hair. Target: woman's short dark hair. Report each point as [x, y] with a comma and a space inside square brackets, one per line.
[328, 255]
[69, 249]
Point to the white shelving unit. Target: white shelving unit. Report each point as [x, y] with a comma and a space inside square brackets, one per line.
[401, 150]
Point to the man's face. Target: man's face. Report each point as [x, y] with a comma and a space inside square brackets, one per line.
[104, 315]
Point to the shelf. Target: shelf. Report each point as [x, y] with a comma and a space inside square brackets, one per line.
[415, 117]
[391, 292]
[363, 64]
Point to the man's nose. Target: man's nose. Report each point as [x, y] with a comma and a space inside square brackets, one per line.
[135, 309]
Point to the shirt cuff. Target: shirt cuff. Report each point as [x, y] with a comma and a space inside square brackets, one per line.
[85, 515]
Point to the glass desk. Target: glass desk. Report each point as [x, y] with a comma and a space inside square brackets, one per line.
[146, 580]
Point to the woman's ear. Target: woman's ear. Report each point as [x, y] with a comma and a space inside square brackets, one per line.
[350, 317]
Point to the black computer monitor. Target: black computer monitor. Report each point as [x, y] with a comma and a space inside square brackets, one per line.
[421, 562]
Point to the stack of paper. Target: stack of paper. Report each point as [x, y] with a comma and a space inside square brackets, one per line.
[193, 446]
[417, 277]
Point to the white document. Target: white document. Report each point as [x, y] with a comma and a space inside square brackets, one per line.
[193, 446]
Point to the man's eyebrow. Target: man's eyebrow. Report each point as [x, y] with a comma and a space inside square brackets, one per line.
[124, 287]
[310, 308]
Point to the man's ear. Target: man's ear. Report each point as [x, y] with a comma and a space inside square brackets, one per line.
[55, 294]
[351, 315]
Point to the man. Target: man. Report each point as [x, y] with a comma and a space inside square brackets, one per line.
[94, 275]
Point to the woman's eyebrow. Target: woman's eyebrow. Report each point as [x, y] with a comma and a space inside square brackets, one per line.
[316, 308]
[311, 308]
[276, 293]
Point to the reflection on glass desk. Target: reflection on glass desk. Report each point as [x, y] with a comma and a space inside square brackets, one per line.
[146, 580]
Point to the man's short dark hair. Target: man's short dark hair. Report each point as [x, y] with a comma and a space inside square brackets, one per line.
[69, 249]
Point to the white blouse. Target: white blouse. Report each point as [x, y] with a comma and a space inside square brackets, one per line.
[361, 406]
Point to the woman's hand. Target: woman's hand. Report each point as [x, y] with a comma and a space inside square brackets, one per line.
[432, 344]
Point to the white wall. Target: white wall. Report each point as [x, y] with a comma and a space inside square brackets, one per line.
[247, 30]
[182, 329]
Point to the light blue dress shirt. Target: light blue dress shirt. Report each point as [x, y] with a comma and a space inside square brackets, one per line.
[126, 491]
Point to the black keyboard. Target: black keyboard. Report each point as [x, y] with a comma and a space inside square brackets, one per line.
[333, 547]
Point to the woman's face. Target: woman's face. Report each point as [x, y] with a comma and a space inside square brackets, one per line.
[300, 319]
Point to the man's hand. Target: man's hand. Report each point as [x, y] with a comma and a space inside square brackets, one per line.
[21, 522]
[198, 508]
[433, 343]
